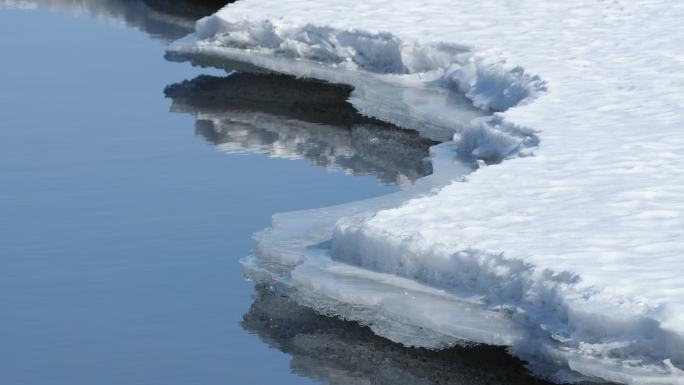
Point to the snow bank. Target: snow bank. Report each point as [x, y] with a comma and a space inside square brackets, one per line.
[444, 72]
[425, 97]
[571, 254]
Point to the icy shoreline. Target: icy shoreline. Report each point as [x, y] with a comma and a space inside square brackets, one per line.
[428, 102]
[572, 257]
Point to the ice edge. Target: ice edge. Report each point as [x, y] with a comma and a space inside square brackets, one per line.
[346, 56]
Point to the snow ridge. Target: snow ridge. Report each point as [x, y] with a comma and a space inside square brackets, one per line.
[451, 67]
[581, 328]
[489, 86]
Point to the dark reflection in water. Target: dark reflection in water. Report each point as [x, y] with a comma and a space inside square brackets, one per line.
[333, 351]
[167, 20]
[194, 9]
[286, 117]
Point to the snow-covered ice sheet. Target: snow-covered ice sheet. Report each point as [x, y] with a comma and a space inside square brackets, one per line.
[571, 249]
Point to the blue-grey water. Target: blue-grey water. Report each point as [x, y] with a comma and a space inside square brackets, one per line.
[120, 229]
[129, 190]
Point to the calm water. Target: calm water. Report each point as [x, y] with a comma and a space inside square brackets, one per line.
[124, 213]
[120, 229]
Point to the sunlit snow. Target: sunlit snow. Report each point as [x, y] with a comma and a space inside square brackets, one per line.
[570, 250]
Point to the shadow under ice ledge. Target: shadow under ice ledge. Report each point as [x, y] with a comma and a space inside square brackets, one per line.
[286, 117]
[333, 351]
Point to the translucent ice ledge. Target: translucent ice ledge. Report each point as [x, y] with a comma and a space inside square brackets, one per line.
[294, 256]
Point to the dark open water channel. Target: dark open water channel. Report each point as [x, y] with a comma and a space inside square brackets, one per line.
[123, 214]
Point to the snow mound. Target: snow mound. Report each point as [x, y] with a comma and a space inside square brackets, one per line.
[494, 139]
[571, 257]
[489, 87]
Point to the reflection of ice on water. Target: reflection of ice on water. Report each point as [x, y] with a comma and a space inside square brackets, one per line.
[162, 19]
[291, 118]
[333, 351]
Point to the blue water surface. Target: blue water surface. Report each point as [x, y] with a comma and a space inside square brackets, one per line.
[120, 230]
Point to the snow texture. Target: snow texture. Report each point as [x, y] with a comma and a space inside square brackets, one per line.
[569, 251]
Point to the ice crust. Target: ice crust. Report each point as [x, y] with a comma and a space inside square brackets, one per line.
[572, 257]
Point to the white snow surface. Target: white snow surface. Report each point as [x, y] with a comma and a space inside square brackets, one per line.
[573, 254]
